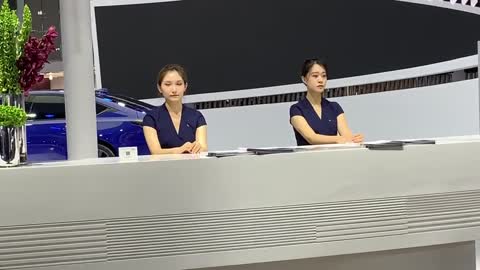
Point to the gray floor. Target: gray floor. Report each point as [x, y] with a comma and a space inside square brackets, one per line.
[457, 256]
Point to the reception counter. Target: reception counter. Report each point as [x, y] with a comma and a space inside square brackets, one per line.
[336, 208]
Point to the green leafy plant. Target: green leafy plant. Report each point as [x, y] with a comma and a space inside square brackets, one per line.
[21, 59]
[11, 116]
[12, 42]
[8, 47]
[24, 34]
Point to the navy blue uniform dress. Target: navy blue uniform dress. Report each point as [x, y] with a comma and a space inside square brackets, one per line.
[159, 119]
[327, 125]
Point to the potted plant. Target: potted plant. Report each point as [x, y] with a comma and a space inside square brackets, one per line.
[11, 119]
[22, 58]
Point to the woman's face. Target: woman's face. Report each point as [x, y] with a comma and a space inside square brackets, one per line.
[172, 86]
[316, 79]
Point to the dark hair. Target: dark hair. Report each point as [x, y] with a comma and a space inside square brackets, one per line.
[171, 67]
[309, 63]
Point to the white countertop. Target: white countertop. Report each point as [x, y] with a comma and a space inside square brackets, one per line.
[177, 157]
[190, 211]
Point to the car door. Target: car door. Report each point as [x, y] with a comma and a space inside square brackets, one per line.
[46, 131]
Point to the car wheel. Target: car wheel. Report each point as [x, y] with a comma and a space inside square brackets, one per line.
[105, 151]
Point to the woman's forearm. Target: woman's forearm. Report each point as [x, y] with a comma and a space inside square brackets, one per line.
[166, 151]
[322, 139]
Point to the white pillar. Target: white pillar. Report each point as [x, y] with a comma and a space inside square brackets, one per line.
[20, 4]
[79, 81]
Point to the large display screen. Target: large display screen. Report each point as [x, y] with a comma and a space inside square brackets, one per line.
[245, 44]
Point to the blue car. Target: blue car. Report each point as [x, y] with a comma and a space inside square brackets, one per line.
[119, 124]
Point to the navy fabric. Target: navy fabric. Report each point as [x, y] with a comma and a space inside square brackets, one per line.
[327, 125]
[159, 119]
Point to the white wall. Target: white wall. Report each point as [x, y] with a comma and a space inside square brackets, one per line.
[443, 110]
[252, 126]
[459, 64]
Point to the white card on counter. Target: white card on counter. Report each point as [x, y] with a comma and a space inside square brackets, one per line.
[128, 153]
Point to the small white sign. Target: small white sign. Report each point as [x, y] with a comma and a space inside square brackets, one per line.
[128, 153]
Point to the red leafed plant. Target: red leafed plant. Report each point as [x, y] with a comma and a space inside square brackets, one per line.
[35, 55]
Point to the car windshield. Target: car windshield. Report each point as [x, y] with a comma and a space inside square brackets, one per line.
[126, 102]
